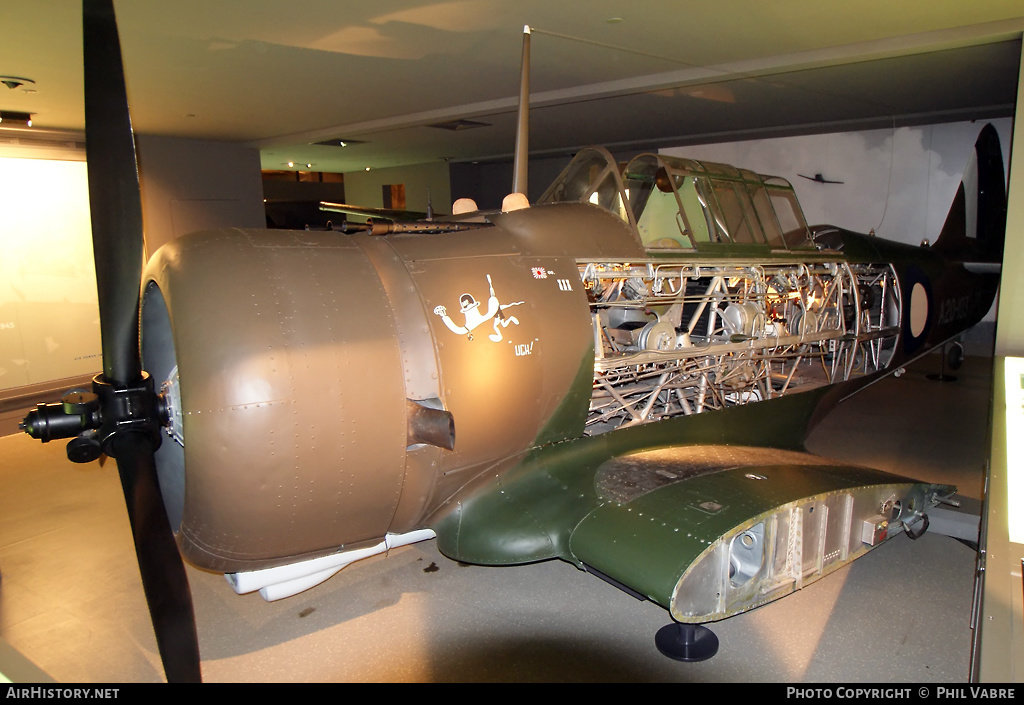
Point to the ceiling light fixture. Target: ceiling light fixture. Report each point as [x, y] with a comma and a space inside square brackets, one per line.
[13, 82]
[14, 117]
[337, 142]
[457, 125]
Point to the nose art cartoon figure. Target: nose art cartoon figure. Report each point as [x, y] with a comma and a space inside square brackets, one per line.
[469, 307]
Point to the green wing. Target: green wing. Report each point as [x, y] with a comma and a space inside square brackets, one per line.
[706, 531]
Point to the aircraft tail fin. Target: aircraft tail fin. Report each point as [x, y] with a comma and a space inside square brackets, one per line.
[975, 227]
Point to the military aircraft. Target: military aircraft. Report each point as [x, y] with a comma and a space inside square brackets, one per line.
[621, 375]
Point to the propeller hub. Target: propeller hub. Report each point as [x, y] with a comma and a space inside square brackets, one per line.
[94, 420]
[133, 408]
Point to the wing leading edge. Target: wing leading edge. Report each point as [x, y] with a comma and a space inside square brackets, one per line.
[706, 531]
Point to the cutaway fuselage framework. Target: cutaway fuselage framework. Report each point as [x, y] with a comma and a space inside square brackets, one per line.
[678, 334]
[684, 338]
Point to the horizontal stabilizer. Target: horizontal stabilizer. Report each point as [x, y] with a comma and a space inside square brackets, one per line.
[984, 267]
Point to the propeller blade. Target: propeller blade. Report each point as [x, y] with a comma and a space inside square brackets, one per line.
[114, 200]
[163, 572]
[115, 204]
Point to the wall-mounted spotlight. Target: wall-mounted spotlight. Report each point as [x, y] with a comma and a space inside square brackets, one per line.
[13, 118]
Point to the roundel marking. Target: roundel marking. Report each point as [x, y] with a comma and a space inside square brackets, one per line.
[918, 310]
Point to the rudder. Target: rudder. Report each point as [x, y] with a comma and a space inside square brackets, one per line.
[975, 227]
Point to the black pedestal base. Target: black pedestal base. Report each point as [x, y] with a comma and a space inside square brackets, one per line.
[686, 642]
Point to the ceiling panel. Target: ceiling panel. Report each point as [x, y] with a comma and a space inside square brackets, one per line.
[280, 75]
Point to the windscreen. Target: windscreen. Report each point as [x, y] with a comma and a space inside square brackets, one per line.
[591, 177]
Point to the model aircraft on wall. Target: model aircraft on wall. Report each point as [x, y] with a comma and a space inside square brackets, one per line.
[621, 375]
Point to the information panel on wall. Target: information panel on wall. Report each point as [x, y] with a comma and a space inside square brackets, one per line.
[49, 319]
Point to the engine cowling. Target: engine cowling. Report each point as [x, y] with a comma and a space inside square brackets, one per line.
[326, 388]
[291, 389]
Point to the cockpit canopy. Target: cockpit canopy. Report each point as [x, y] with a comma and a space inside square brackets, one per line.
[676, 203]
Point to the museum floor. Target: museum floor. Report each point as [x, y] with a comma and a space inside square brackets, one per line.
[71, 601]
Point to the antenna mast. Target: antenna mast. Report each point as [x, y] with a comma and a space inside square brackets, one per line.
[519, 169]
